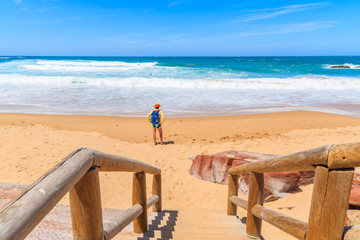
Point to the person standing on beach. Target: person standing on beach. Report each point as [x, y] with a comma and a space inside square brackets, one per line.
[156, 118]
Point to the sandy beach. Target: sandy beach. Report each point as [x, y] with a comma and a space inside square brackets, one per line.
[32, 144]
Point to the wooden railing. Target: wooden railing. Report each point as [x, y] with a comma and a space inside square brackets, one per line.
[79, 174]
[334, 170]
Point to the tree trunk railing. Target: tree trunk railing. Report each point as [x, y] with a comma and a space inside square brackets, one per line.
[78, 174]
[334, 170]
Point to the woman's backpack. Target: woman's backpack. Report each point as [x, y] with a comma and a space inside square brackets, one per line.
[154, 119]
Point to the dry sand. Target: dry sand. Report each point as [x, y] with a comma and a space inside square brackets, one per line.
[32, 144]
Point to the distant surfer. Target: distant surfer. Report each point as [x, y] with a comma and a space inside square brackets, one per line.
[156, 118]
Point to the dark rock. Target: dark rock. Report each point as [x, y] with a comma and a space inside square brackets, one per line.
[340, 66]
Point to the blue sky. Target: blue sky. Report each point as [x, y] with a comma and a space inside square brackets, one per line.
[179, 28]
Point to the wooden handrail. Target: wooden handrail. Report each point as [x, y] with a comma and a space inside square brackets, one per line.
[294, 227]
[344, 156]
[334, 169]
[107, 162]
[111, 229]
[334, 156]
[21, 215]
[152, 200]
[300, 161]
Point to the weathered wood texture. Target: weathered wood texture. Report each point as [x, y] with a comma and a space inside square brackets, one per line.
[85, 205]
[300, 161]
[329, 203]
[108, 162]
[139, 197]
[344, 156]
[156, 190]
[152, 200]
[292, 226]
[233, 189]
[352, 233]
[17, 221]
[111, 229]
[22, 215]
[239, 202]
[256, 197]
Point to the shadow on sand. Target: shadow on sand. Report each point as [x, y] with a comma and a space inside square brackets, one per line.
[162, 226]
[166, 143]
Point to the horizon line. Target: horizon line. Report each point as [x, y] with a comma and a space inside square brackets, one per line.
[154, 56]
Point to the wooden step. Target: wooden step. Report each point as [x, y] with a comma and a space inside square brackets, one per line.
[198, 236]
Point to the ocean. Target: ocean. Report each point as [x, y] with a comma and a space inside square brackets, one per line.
[184, 86]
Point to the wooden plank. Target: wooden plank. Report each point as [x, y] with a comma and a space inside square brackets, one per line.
[292, 226]
[156, 190]
[329, 203]
[344, 156]
[108, 162]
[139, 197]
[85, 205]
[256, 197]
[317, 199]
[22, 215]
[300, 161]
[239, 202]
[152, 200]
[233, 189]
[111, 229]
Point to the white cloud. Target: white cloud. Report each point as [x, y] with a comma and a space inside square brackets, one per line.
[174, 36]
[291, 28]
[174, 3]
[274, 12]
[17, 1]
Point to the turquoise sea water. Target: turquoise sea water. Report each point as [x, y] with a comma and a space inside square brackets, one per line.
[184, 86]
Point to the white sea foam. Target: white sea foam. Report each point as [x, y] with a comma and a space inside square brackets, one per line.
[296, 83]
[100, 87]
[86, 66]
[95, 63]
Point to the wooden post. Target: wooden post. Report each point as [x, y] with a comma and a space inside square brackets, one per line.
[85, 205]
[256, 196]
[329, 203]
[156, 190]
[139, 197]
[22, 214]
[232, 191]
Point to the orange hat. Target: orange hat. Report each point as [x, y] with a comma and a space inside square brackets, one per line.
[157, 105]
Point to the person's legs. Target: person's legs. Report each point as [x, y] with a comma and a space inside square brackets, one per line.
[154, 135]
[161, 135]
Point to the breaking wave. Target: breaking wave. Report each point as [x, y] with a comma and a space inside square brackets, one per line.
[69, 66]
[314, 82]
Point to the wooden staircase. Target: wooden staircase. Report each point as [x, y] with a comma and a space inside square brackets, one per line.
[187, 224]
[164, 225]
[78, 175]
